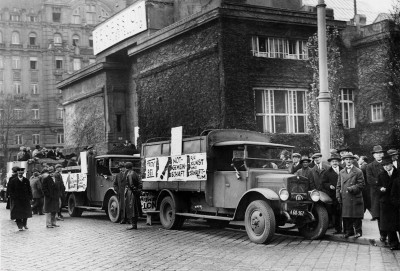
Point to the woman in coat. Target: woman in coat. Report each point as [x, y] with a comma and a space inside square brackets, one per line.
[19, 190]
[349, 194]
[52, 193]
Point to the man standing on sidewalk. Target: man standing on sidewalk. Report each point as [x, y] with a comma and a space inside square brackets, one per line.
[51, 199]
[37, 193]
[349, 193]
[132, 196]
[373, 170]
[119, 187]
[318, 170]
[60, 183]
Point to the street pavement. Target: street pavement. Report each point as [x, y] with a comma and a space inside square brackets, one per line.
[92, 242]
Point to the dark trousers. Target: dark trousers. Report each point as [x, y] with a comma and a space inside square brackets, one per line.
[383, 234]
[352, 225]
[21, 222]
[393, 240]
[37, 206]
[336, 216]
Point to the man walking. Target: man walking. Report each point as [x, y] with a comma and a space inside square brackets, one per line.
[119, 187]
[51, 198]
[19, 190]
[349, 193]
[37, 193]
[132, 196]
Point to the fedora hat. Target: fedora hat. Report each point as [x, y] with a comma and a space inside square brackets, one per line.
[316, 155]
[342, 148]
[376, 149]
[387, 159]
[296, 154]
[348, 155]
[335, 156]
[392, 152]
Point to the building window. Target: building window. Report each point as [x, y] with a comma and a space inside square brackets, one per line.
[60, 113]
[59, 62]
[279, 48]
[34, 89]
[57, 39]
[2, 113]
[76, 16]
[90, 14]
[18, 114]
[91, 42]
[75, 40]
[15, 17]
[17, 88]
[18, 139]
[33, 63]
[32, 39]
[35, 139]
[56, 15]
[347, 101]
[1, 62]
[35, 114]
[32, 18]
[15, 38]
[377, 112]
[16, 62]
[60, 138]
[281, 110]
[77, 64]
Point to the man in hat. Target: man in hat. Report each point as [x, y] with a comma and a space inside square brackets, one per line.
[296, 163]
[395, 156]
[133, 205]
[344, 150]
[305, 171]
[329, 183]
[119, 187]
[19, 190]
[37, 193]
[318, 169]
[23, 155]
[373, 170]
[388, 216]
[37, 152]
[349, 193]
[60, 183]
[51, 193]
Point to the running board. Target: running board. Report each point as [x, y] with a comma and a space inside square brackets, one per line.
[90, 208]
[206, 216]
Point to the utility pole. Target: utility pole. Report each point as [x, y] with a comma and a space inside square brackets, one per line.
[324, 97]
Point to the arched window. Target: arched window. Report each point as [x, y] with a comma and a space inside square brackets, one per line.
[32, 38]
[15, 38]
[57, 39]
[75, 40]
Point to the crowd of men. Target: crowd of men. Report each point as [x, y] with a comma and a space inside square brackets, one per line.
[26, 153]
[355, 186]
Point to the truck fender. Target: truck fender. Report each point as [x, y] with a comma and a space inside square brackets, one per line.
[110, 192]
[254, 194]
[325, 198]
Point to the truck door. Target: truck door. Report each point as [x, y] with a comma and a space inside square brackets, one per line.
[101, 181]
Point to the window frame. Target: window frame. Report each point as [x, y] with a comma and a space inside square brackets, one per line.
[34, 89]
[60, 138]
[60, 113]
[56, 15]
[34, 61]
[279, 47]
[57, 39]
[348, 105]
[35, 114]
[16, 62]
[17, 87]
[18, 139]
[15, 38]
[59, 62]
[375, 107]
[32, 37]
[17, 113]
[35, 139]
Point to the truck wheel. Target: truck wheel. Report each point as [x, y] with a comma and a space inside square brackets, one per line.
[217, 224]
[317, 228]
[113, 208]
[168, 217]
[259, 221]
[72, 209]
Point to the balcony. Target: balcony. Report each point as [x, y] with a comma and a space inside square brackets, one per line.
[19, 97]
[34, 47]
[16, 46]
[58, 72]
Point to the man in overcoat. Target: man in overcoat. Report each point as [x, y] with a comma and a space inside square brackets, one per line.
[133, 205]
[318, 170]
[305, 171]
[388, 221]
[19, 190]
[119, 187]
[60, 183]
[373, 170]
[395, 157]
[51, 193]
[37, 193]
[349, 193]
[329, 183]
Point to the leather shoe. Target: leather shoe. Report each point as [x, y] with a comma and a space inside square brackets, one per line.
[122, 222]
[357, 235]
[382, 239]
[49, 226]
[346, 235]
[56, 225]
[25, 227]
[59, 218]
[132, 227]
[394, 248]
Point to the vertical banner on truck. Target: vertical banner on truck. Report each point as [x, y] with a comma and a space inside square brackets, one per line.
[188, 167]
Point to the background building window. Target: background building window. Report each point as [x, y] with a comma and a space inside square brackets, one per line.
[281, 110]
[18, 139]
[35, 114]
[56, 15]
[1, 113]
[17, 88]
[35, 139]
[57, 39]
[15, 17]
[90, 41]
[60, 138]
[347, 101]
[377, 112]
[60, 113]
[77, 64]
[33, 63]
[76, 16]
[32, 18]
[59, 62]
[90, 14]
[15, 38]
[34, 89]
[18, 114]
[32, 39]
[279, 48]
[75, 40]
[16, 62]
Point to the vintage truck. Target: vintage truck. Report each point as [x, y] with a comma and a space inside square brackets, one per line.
[232, 175]
[89, 186]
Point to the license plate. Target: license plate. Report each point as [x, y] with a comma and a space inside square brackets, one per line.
[297, 212]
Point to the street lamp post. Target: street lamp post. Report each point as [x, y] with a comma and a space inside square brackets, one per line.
[324, 97]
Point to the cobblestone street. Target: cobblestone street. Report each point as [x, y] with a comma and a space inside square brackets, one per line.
[92, 242]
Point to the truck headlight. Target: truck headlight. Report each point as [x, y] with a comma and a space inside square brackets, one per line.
[283, 194]
[314, 195]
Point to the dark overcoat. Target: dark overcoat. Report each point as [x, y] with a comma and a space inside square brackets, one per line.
[388, 220]
[295, 168]
[133, 205]
[52, 193]
[20, 197]
[373, 169]
[308, 174]
[367, 189]
[329, 178]
[395, 199]
[317, 175]
[349, 192]
[36, 186]
[119, 187]
[61, 186]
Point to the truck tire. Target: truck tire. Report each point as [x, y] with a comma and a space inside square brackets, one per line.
[315, 230]
[168, 218]
[259, 221]
[113, 209]
[73, 211]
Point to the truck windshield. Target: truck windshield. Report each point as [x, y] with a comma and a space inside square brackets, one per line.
[268, 157]
[116, 161]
